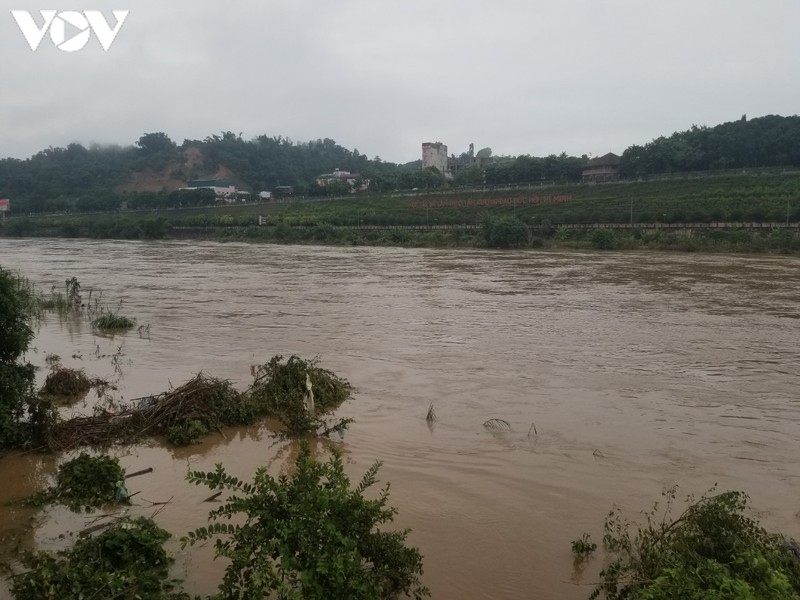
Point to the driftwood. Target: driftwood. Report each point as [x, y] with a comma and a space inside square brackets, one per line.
[142, 472]
[150, 415]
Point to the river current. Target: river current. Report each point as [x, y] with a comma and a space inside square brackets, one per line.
[620, 375]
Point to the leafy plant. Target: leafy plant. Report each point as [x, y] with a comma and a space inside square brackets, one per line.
[127, 561]
[184, 433]
[711, 550]
[504, 232]
[298, 392]
[603, 239]
[308, 536]
[86, 481]
[582, 548]
[16, 377]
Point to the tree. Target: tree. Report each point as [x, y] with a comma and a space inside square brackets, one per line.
[504, 232]
[713, 550]
[153, 143]
[16, 378]
[308, 536]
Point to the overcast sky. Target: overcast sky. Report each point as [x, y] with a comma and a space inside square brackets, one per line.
[520, 76]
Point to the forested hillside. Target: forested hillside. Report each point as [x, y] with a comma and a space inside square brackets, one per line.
[771, 141]
[148, 173]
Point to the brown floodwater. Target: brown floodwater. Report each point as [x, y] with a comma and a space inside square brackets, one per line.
[639, 370]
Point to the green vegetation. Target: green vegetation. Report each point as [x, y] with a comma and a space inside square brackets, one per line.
[127, 561]
[111, 320]
[16, 377]
[86, 482]
[584, 547]
[712, 550]
[460, 218]
[770, 141]
[505, 232]
[299, 393]
[308, 536]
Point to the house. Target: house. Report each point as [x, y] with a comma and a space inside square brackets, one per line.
[343, 177]
[223, 188]
[602, 168]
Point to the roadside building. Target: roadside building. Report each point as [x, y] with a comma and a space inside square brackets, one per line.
[223, 188]
[355, 180]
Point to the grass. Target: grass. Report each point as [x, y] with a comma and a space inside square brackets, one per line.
[110, 320]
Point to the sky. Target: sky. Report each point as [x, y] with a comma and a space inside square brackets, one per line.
[382, 76]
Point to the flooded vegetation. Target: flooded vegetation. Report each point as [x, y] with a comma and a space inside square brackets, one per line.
[605, 378]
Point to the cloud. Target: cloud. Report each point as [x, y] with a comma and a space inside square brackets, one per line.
[520, 76]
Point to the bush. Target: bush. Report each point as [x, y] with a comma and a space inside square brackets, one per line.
[184, 433]
[66, 382]
[126, 561]
[504, 232]
[86, 482]
[308, 536]
[712, 550]
[282, 390]
[603, 239]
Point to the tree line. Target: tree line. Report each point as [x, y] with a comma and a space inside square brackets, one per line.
[81, 179]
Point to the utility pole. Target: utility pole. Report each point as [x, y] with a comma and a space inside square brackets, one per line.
[631, 212]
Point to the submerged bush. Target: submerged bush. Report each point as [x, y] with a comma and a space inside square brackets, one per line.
[712, 550]
[86, 481]
[112, 320]
[127, 561]
[298, 392]
[308, 536]
[66, 382]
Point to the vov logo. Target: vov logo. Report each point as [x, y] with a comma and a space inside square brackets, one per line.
[78, 25]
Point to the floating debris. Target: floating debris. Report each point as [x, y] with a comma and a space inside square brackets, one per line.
[497, 425]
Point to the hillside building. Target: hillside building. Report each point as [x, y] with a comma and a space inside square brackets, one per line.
[355, 180]
[434, 154]
[602, 168]
[223, 188]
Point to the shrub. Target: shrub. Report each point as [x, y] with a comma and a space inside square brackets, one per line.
[66, 382]
[603, 239]
[184, 433]
[282, 390]
[127, 560]
[504, 232]
[712, 550]
[583, 547]
[86, 481]
[308, 536]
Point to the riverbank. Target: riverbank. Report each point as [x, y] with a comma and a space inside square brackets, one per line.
[735, 238]
[745, 213]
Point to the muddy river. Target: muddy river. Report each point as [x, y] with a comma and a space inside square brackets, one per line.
[639, 371]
